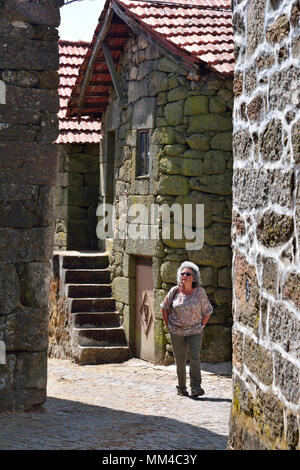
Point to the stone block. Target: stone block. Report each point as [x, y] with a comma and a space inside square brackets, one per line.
[191, 167]
[144, 113]
[141, 247]
[173, 113]
[83, 163]
[163, 136]
[255, 25]
[247, 292]
[27, 54]
[199, 142]
[295, 135]
[158, 83]
[31, 370]
[173, 185]
[279, 30]
[270, 141]
[17, 249]
[224, 278]
[291, 288]
[222, 141]
[217, 105]
[28, 163]
[194, 198]
[216, 256]
[218, 234]
[9, 289]
[274, 229]
[242, 144]
[222, 296]
[25, 329]
[287, 378]
[268, 413]
[270, 275]
[196, 105]
[171, 166]
[214, 162]
[32, 98]
[284, 329]
[179, 93]
[170, 66]
[123, 290]
[216, 346]
[34, 281]
[284, 89]
[258, 360]
[168, 272]
[256, 188]
[238, 356]
[213, 184]
[210, 122]
[137, 90]
[175, 150]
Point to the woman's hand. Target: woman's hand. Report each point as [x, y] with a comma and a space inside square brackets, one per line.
[204, 320]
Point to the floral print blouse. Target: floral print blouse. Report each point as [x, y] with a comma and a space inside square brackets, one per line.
[187, 311]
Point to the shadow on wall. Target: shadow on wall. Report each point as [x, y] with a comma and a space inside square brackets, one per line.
[69, 425]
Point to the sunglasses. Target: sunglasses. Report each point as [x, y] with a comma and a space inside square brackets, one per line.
[186, 274]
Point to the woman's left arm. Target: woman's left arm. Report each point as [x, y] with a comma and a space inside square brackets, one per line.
[206, 307]
[204, 320]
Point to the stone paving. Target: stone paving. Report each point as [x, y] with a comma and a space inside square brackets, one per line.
[132, 406]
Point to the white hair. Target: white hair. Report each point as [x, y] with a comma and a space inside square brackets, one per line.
[196, 273]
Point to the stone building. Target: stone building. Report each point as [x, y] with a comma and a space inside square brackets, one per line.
[28, 161]
[78, 175]
[265, 228]
[160, 79]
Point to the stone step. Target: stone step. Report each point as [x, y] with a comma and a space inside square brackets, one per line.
[100, 336]
[85, 261]
[87, 276]
[101, 355]
[93, 305]
[100, 319]
[88, 290]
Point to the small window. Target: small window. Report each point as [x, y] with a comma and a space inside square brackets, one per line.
[142, 153]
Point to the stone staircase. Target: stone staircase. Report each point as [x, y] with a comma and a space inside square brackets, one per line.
[97, 336]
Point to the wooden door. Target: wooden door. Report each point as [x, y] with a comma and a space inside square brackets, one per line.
[144, 310]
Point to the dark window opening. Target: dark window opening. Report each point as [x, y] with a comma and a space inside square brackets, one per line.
[143, 153]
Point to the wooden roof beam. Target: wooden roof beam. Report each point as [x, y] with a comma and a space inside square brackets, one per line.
[113, 72]
[100, 38]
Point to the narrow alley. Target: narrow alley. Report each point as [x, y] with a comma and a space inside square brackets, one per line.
[132, 406]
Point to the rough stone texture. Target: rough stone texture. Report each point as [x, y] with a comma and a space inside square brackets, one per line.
[191, 160]
[28, 114]
[265, 230]
[77, 193]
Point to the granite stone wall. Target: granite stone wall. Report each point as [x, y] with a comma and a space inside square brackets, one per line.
[265, 229]
[28, 161]
[77, 195]
[190, 125]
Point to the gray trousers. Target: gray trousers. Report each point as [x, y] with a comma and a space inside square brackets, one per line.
[181, 346]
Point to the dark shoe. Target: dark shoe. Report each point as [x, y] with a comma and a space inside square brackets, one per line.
[182, 391]
[197, 392]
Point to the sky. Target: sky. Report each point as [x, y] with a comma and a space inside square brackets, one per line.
[79, 19]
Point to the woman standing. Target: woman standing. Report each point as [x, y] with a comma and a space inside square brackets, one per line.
[186, 310]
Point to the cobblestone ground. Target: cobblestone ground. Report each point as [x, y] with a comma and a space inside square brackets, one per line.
[132, 405]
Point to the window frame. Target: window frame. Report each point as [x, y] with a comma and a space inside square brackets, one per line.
[143, 160]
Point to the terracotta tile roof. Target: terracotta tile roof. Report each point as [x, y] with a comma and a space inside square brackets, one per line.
[198, 33]
[71, 55]
[200, 28]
